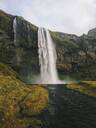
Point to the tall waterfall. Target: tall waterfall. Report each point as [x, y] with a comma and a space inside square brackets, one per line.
[14, 29]
[47, 57]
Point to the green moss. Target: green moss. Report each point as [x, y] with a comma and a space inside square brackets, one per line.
[6, 23]
[19, 100]
[21, 123]
[63, 41]
[86, 87]
[39, 98]
[86, 72]
[7, 70]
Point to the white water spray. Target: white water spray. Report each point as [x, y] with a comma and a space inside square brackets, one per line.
[47, 57]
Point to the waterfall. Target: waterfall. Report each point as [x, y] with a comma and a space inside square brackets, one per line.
[17, 58]
[14, 30]
[47, 57]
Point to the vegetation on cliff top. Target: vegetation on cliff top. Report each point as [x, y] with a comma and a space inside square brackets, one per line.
[18, 101]
[63, 41]
[75, 55]
[6, 23]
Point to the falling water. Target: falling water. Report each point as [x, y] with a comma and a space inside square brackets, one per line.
[47, 57]
[14, 29]
[17, 58]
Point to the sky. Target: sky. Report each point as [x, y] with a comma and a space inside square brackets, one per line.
[68, 16]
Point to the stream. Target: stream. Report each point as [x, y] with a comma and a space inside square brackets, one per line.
[69, 109]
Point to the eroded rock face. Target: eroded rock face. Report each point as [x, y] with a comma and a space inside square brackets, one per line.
[75, 55]
[21, 54]
[92, 33]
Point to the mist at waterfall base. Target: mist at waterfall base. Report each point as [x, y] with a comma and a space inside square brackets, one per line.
[47, 58]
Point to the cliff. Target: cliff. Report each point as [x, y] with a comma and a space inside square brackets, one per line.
[76, 56]
[21, 55]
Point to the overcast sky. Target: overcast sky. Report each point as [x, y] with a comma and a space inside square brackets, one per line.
[69, 16]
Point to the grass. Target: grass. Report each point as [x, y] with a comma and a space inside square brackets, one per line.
[63, 41]
[19, 101]
[6, 23]
[86, 87]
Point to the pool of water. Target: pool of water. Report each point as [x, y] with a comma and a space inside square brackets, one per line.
[68, 109]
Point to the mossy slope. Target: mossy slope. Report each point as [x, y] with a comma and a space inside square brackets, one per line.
[86, 87]
[19, 102]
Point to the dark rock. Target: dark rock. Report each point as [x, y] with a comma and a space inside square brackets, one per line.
[74, 54]
[22, 55]
[92, 33]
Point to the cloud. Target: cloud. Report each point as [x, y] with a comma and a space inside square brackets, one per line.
[70, 16]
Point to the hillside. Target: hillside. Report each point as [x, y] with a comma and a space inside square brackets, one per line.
[19, 103]
[76, 56]
[22, 56]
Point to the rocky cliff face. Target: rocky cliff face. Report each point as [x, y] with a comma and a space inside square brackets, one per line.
[76, 56]
[22, 53]
[92, 33]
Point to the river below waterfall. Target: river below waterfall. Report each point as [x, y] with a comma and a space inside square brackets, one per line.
[68, 109]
